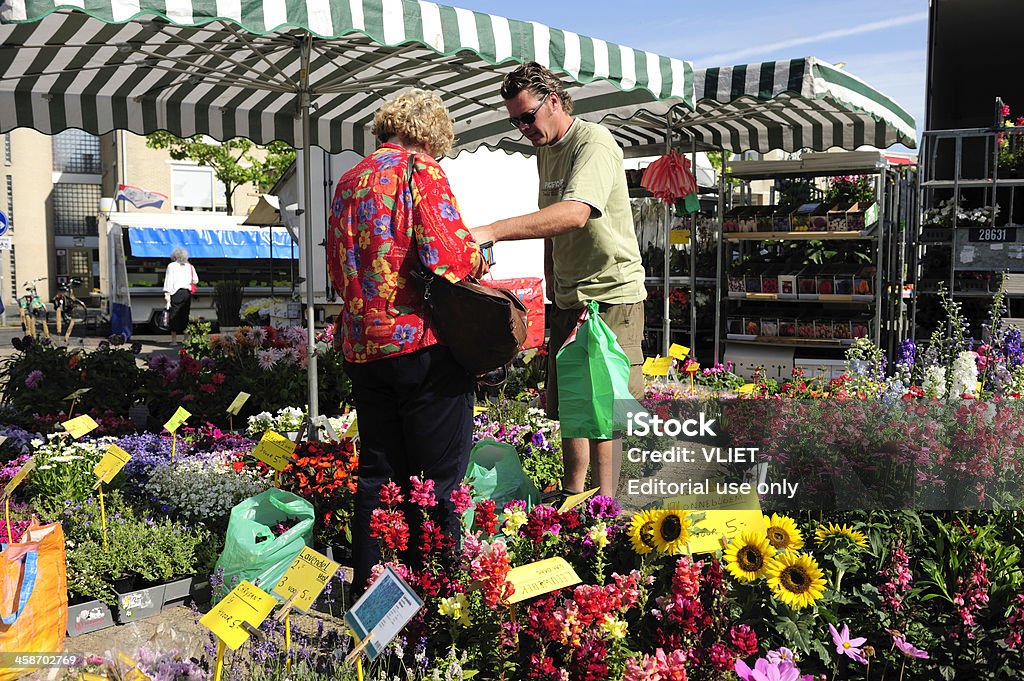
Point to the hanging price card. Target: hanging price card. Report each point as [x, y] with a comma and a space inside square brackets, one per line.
[80, 425]
[177, 418]
[577, 499]
[246, 604]
[541, 577]
[677, 351]
[237, 403]
[306, 578]
[111, 463]
[18, 478]
[275, 450]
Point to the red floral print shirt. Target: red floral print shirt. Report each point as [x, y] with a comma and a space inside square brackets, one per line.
[377, 230]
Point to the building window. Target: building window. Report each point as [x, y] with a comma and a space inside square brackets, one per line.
[74, 209]
[195, 188]
[10, 204]
[76, 152]
[7, 148]
[12, 268]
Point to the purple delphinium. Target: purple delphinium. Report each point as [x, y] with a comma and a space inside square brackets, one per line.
[907, 353]
[1012, 348]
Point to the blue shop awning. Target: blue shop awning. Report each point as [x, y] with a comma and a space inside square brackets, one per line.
[245, 243]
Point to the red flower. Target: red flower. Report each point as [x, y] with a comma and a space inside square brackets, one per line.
[391, 528]
[486, 519]
[218, 378]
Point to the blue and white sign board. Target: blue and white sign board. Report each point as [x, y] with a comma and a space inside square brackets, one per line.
[4, 224]
[383, 611]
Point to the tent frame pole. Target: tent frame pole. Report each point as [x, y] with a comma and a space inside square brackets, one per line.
[666, 323]
[307, 241]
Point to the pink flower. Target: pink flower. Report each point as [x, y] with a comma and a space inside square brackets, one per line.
[390, 494]
[462, 498]
[847, 646]
[767, 671]
[422, 492]
[908, 649]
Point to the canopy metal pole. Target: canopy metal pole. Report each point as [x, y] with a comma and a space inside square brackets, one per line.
[307, 198]
[718, 250]
[666, 324]
[693, 253]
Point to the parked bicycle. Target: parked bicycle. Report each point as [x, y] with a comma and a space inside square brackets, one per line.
[68, 306]
[32, 308]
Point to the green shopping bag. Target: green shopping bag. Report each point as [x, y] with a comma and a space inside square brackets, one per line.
[251, 551]
[496, 473]
[593, 381]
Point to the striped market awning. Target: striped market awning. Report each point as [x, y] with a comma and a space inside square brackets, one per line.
[788, 105]
[227, 69]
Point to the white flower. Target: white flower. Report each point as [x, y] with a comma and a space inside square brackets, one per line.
[934, 384]
[965, 375]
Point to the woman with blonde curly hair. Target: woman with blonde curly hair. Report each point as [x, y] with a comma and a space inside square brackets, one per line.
[393, 213]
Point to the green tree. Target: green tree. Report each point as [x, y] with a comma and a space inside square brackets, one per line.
[234, 162]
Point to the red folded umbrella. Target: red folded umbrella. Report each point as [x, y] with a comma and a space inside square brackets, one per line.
[669, 178]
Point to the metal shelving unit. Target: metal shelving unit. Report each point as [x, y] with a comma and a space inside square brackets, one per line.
[894, 189]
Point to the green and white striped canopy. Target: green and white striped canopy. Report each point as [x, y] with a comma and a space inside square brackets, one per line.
[789, 105]
[231, 68]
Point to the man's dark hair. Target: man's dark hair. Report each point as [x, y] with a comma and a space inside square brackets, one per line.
[539, 80]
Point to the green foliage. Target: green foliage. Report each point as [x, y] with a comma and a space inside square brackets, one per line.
[197, 337]
[234, 162]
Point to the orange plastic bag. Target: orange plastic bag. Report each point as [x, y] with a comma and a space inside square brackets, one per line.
[33, 595]
[530, 290]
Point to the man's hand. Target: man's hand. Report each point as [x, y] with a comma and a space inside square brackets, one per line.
[483, 234]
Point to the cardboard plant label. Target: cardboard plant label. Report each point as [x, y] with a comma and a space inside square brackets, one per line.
[677, 351]
[246, 603]
[725, 516]
[577, 499]
[18, 478]
[111, 463]
[544, 576]
[80, 425]
[275, 450]
[308, 575]
[237, 403]
[177, 418]
[383, 611]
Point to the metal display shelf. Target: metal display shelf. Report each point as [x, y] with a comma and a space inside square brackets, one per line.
[708, 282]
[798, 236]
[787, 341]
[803, 298]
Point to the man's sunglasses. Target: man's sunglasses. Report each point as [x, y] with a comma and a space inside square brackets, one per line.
[528, 118]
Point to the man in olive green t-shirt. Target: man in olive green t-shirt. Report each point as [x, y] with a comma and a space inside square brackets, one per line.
[590, 246]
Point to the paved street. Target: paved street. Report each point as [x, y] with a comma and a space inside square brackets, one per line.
[151, 344]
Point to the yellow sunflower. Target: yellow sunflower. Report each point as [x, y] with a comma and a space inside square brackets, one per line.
[857, 537]
[641, 531]
[747, 556]
[795, 579]
[782, 533]
[672, 531]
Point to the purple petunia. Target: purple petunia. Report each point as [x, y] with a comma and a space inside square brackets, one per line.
[34, 378]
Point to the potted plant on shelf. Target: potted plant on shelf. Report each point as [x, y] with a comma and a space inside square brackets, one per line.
[227, 299]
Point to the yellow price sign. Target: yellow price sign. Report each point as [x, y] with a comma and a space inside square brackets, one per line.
[725, 516]
[18, 478]
[479, 409]
[237, 403]
[80, 425]
[577, 499]
[692, 368]
[353, 428]
[746, 388]
[275, 450]
[677, 351]
[679, 237]
[658, 367]
[177, 418]
[246, 604]
[529, 355]
[306, 578]
[540, 578]
[111, 464]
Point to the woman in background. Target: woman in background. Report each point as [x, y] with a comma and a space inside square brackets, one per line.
[179, 284]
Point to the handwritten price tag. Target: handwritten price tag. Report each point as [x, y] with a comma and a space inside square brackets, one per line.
[80, 425]
[657, 367]
[237, 403]
[275, 450]
[577, 499]
[245, 603]
[692, 368]
[111, 463]
[18, 478]
[677, 351]
[177, 418]
[540, 578]
[746, 388]
[307, 577]
[725, 516]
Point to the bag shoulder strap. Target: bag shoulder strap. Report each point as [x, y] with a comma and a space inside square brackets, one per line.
[28, 585]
